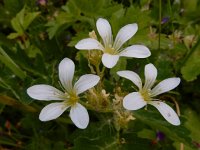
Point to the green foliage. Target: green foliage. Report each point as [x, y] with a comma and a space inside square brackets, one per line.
[21, 22]
[11, 64]
[191, 70]
[153, 119]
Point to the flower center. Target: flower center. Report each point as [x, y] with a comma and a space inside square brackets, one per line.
[145, 94]
[110, 50]
[72, 100]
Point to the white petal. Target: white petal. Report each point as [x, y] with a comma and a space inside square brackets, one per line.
[52, 111]
[109, 61]
[133, 101]
[124, 34]
[44, 92]
[134, 77]
[79, 116]
[167, 112]
[104, 30]
[89, 44]
[66, 73]
[165, 86]
[137, 51]
[150, 76]
[86, 82]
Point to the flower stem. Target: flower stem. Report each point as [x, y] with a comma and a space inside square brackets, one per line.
[172, 18]
[160, 17]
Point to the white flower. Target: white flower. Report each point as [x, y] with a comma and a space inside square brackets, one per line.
[112, 50]
[144, 96]
[78, 113]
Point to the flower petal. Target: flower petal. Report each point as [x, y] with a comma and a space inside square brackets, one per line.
[150, 76]
[133, 101]
[52, 111]
[137, 51]
[165, 86]
[167, 112]
[104, 30]
[66, 73]
[89, 44]
[109, 61]
[44, 92]
[134, 77]
[124, 34]
[86, 82]
[79, 116]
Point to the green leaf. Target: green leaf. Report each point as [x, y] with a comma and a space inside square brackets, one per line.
[102, 136]
[59, 23]
[4, 58]
[89, 7]
[13, 35]
[17, 22]
[132, 141]
[165, 67]
[28, 19]
[71, 8]
[22, 21]
[156, 121]
[106, 143]
[32, 51]
[191, 69]
[146, 133]
[97, 136]
[193, 123]
[76, 11]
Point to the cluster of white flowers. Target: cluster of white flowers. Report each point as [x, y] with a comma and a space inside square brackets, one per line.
[111, 53]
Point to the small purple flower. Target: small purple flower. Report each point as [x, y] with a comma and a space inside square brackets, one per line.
[165, 20]
[160, 136]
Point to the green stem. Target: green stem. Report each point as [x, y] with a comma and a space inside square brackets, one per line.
[98, 70]
[102, 72]
[172, 18]
[160, 18]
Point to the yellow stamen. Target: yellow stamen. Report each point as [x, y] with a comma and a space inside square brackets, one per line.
[145, 94]
[72, 100]
[110, 50]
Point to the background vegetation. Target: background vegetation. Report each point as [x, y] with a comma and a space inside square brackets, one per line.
[36, 35]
